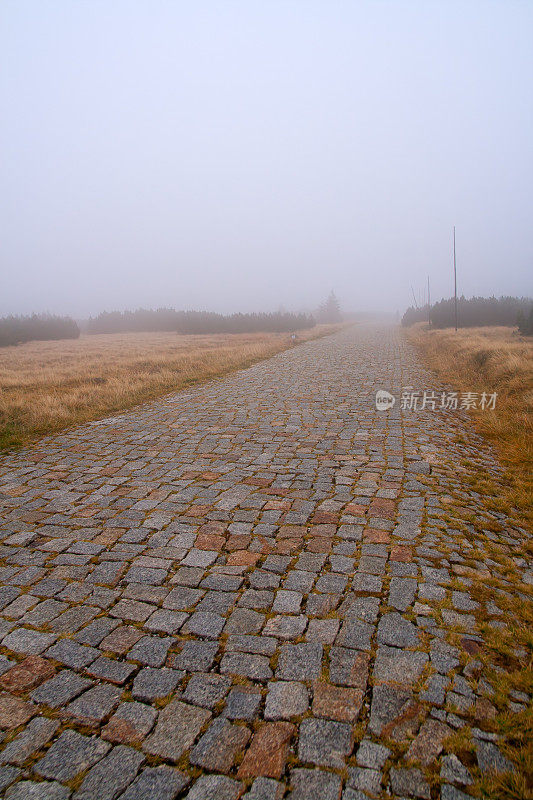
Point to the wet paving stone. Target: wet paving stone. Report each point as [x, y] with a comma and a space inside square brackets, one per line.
[258, 588]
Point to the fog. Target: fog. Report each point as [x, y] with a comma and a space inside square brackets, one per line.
[246, 155]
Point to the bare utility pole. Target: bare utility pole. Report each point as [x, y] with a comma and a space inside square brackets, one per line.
[455, 278]
[429, 305]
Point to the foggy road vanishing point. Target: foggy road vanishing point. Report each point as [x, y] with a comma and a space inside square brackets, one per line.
[257, 586]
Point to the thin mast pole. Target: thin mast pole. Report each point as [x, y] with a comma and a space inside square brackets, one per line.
[429, 305]
[455, 278]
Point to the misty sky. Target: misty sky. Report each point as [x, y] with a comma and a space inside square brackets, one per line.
[242, 155]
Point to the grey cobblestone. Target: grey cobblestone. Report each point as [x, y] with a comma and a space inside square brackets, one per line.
[153, 684]
[60, 689]
[215, 787]
[309, 783]
[196, 656]
[300, 662]
[107, 779]
[372, 755]
[207, 690]
[245, 665]
[93, 706]
[399, 666]
[150, 650]
[36, 734]
[71, 754]
[177, 727]
[286, 699]
[156, 783]
[72, 654]
[219, 746]
[29, 790]
[7, 776]
[242, 703]
[28, 642]
[325, 743]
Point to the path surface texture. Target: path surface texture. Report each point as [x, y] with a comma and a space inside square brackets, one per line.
[261, 587]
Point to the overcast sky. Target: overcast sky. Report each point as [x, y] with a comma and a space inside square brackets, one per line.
[242, 155]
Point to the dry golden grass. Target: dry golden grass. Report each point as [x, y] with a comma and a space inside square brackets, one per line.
[492, 359]
[496, 359]
[47, 386]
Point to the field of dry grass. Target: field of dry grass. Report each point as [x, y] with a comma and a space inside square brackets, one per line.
[492, 359]
[47, 386]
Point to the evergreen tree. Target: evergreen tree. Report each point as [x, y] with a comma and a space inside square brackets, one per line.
[329, 311]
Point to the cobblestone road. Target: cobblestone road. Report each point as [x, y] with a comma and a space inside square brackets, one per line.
[259, 587]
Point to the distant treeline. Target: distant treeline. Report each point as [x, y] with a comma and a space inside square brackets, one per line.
[190, 322]
[525, 323]
[474, 312]
[15, 330]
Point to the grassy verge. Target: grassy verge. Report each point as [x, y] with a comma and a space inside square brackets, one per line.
[496, 359]
[492, 359]
[48, 386]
